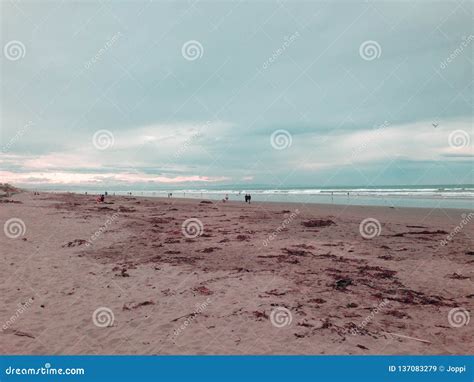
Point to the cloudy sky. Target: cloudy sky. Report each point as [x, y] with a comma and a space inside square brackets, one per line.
[201, 93]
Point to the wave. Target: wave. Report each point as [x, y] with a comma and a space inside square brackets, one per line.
[455, 192]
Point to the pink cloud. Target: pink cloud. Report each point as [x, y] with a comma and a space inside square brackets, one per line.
[93, 178]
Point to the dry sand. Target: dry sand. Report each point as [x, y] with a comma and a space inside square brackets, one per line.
[215, 294]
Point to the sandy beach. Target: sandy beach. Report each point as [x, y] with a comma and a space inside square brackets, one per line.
[136, 276]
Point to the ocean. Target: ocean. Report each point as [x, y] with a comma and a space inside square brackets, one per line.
[450, 196]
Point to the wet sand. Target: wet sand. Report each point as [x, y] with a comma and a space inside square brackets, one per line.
[266, 278]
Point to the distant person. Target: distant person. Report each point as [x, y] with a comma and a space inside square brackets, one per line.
[102, 198]
[250, 198]
[105, 193]
[246, 198]
[226, 197]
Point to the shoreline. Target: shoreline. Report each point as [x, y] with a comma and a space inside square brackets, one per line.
[336, 205]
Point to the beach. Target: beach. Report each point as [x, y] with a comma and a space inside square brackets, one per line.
[138, 275]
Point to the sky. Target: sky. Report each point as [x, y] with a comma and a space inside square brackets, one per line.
[198, 94]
